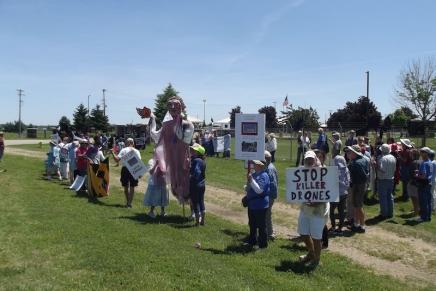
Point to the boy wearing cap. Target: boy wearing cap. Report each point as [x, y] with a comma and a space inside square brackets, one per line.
[359, 172]
[197, 182]
[424, 178]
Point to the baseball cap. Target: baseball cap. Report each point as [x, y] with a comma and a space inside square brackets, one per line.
[198, 148]
[310, 154]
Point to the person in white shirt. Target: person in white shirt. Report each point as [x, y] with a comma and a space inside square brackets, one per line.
[271, 146]
[127, 181]
[385, 173]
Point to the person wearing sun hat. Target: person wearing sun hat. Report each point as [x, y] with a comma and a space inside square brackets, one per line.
[405, 162]
[197, 182]
[312, 219]
[258, 188]
[424, 178]
[359, 172]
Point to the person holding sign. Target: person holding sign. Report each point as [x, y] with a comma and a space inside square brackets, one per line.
[258, 188]
[311, 221]
[127, 180]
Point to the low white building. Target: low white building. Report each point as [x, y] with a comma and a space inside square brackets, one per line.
[222, 124]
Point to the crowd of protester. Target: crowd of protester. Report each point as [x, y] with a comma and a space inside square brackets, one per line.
[363, 168]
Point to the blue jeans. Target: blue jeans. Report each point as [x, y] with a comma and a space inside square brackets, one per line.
[425, 195]
[384, 189]
[197, 198]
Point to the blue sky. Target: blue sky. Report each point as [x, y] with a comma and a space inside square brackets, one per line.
[247, 53]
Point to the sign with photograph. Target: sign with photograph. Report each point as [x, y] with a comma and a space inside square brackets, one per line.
[135, 165]
[317, 184]
[249, 136]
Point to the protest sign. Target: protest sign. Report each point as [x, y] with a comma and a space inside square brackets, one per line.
[317, 184]
[249, 136]
[135, 165]
[219, 144]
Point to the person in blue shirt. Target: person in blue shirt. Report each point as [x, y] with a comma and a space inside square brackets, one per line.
[197, 182]
[424, 178]
[321, 143]
[258, 189]
[273, 184]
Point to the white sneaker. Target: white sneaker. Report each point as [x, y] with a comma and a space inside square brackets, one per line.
[151, 214]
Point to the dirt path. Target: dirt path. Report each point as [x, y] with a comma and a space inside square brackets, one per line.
[383, 251]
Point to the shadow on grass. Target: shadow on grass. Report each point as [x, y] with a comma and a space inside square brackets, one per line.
[408, 215]
[412, 222]
[171, 220]
[232, 249]
[293, 247]
[295, 267]
[236, 235]
[375, 220]
[371, 201]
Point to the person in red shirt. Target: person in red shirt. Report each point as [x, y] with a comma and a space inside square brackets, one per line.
[405, 162]
[81, 158]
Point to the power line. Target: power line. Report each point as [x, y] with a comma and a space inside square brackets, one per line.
[20, 101]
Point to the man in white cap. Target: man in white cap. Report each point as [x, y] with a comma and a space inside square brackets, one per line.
[359, 173]
[386, 166]
[424, 178]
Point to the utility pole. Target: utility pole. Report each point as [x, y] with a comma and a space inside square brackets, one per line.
[104, 102]
[204, 112]
[367, 96]
[20, 101]
[367, 84]
[275, 105]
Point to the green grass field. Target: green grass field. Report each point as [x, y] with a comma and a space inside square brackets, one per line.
[50, 238]
[230, 174]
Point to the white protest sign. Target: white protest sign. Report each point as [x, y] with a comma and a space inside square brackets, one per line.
[317, 184]
[135, 165]
[249, 136]
[219, 144]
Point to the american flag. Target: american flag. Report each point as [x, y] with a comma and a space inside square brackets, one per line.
[286, 103]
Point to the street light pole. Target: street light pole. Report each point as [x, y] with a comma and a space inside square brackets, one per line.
[367, 97]
[367, 84]
[204, 112]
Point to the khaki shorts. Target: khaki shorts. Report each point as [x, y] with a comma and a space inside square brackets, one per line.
[358, 195]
